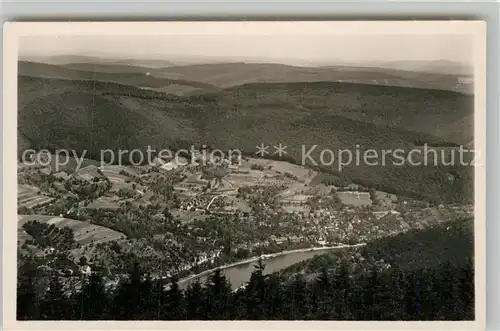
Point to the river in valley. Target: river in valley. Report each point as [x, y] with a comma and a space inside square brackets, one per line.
[239, 273]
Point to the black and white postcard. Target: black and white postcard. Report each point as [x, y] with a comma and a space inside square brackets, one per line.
[244, 175]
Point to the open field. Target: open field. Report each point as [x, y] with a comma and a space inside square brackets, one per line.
[183, 192]
[355, 198]
[87, 173]
[245, 178]
[272, 173]
[29, 196]
[303, 174]
[117, 179]
[196, 179]
[104, 202]
[187, 217]
[296, 199]
[85, 233]
[58, 162]
[386, 199]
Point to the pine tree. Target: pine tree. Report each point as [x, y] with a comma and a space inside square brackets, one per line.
[93, 299]
[146, 288]
[382, 296]
[127, 301]
[195, 298]
[174, 308]
[156, 299]
[27, 303]
[218, 295]
[323, 296]
[449, 290]
[412, 298]
[429, 297]
[56, 306]
[238, 306]
[298, 295]
[395, 309]
[255, 293]
[341, 288]
[467, 289]
[275, 297]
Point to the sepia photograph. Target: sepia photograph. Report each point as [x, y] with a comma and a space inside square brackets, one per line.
[245, 171]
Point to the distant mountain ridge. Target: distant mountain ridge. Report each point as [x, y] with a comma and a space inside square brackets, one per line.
[442, 66]
[70, 59]
[135, 76]
[230, 74]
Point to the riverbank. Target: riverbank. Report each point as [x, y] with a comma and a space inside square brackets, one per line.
[266, 256]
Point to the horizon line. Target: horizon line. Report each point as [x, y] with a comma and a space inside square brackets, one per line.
[232, 59]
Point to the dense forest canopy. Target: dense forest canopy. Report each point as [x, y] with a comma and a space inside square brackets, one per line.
[380, 282]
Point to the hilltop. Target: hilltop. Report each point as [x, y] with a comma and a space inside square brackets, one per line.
[121, 74]
[439, 66]
[103, 60]
[448, 242]
[233, 74]
[79, 115]
[433, 112]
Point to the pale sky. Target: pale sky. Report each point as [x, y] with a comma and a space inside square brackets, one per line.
[290, 49]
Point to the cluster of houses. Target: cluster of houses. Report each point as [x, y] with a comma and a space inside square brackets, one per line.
[196, 204]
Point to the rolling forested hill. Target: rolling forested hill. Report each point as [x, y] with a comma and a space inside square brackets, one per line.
[122, 74]
[90, 115]
[449, 242]
[234, 74]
